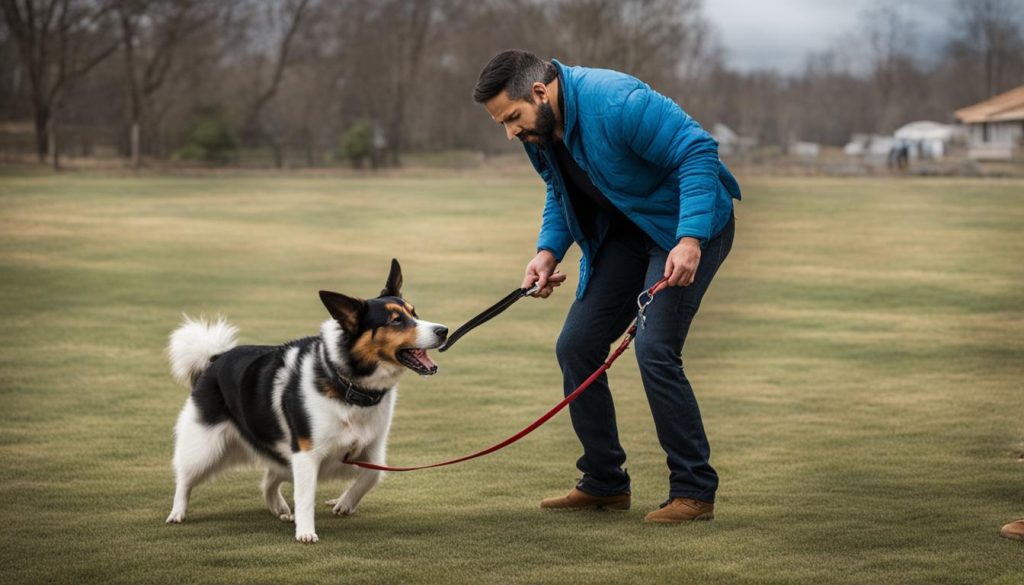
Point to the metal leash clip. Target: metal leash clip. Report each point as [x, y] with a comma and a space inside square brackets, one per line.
[642, 300]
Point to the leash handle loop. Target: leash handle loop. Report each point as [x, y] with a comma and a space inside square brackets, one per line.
[486, 315]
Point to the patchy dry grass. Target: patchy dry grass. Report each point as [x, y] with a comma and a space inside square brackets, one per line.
[858, 361]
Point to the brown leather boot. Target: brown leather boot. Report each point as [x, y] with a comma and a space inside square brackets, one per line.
[1013, 530]
[682, 510]
[580, 500]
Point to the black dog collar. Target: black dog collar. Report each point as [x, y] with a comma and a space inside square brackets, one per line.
[360, 396]
[347, 389]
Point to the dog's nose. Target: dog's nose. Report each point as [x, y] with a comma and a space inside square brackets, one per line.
[441, 332]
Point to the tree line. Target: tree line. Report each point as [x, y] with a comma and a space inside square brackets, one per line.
[310, 81]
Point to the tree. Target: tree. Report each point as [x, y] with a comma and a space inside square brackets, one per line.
[59, 41]
[390, 41]
[655, 40]
[151, 33]
[890, 38]
[988, 40]
[286, 16]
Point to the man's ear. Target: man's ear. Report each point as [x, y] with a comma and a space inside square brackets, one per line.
[345, 310]
[540, 91]
[393, 287]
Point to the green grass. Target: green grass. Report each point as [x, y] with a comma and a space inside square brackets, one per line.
[859, 363]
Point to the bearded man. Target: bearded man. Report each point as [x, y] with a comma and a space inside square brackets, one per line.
[638, 185]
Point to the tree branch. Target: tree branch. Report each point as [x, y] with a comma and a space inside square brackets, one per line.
[282, 59]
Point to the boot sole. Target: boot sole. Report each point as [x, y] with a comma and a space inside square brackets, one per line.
[702, 518]
[599, 507]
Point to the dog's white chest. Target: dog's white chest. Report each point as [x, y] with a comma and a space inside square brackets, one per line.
[344, 430]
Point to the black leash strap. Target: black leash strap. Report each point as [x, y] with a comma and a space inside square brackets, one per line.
[488, 314]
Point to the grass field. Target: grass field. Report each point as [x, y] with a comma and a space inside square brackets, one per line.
[859, 362]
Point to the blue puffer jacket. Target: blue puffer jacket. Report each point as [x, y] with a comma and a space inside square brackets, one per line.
[644, 153]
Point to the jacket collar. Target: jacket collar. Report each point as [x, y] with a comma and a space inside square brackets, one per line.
[568, 94]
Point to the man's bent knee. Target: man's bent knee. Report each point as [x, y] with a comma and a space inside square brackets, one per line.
[576, 349]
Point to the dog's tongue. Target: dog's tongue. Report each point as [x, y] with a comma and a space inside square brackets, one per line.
[424, 359]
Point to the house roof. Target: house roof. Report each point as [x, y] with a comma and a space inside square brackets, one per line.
[1001, 108]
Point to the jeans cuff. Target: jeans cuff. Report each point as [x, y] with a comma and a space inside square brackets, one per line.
[708, 497]
[594, 487]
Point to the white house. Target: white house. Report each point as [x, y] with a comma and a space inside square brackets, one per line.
[929, 140]
[730, 143]
[995, 127]
[872, 148]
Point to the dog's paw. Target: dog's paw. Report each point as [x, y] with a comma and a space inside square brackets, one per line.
[176, 517]
[307, 537]
[342, 507]
[283, 512]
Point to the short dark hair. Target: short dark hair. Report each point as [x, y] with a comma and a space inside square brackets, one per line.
[513, 71]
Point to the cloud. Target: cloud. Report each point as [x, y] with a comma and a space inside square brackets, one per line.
[779, 34]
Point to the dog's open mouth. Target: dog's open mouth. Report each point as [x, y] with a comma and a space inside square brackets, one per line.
[417, 360]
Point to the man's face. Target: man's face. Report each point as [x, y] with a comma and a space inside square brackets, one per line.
[530, 120]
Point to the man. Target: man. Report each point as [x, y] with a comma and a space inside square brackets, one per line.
[638, 185]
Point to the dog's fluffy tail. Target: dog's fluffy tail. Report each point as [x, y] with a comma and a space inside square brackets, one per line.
[195, 343]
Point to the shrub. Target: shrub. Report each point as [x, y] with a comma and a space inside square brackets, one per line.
[357, 142]
[210, 138]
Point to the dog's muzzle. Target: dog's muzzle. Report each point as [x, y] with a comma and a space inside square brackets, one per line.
[417, 359]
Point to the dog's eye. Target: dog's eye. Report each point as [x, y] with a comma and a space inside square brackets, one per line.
[395, 322]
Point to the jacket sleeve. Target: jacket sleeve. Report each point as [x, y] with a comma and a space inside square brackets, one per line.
[659, 131]
[554, 231]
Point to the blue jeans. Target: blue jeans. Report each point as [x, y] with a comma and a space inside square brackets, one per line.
[627, 263]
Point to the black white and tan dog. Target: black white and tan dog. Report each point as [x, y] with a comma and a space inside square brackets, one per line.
[301, 408]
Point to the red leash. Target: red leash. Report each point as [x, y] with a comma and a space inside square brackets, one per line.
[630, 334]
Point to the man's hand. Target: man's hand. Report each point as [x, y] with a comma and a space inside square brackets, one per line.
[681, 265]
[541, 271]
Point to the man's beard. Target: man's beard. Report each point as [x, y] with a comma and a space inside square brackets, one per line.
[544, 128]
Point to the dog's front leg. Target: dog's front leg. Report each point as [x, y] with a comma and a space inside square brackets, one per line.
[305, 469]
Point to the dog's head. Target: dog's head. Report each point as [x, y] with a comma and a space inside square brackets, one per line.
[385, 330]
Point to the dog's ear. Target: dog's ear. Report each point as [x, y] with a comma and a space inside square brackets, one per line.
[393, 288]
[345, 310]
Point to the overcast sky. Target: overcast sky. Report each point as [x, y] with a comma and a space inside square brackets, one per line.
[778, 34]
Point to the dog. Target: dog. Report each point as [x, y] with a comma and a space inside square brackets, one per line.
[298, 409]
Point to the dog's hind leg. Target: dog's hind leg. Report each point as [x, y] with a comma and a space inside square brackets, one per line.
[199, 452]
[366, 480]
[346, 504]
[271, 486]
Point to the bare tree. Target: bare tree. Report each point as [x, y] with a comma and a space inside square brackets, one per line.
[152, 32]
[287, 17]
[413, 19]
[988, 36]
[59, 42]
[656, 40]
[890, 39]
[388, 44]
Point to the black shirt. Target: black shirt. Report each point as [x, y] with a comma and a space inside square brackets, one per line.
[587, 200]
